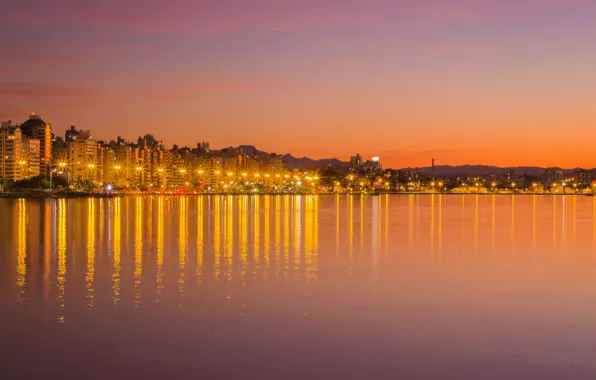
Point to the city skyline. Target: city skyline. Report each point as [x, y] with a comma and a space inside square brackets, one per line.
[480, 82]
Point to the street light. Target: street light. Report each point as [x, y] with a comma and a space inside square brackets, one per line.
[63, 166]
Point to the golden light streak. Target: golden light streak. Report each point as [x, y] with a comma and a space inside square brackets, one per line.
[90, 276]
[217, 239]
[534, 221]
[493, 223]
[554, 222]
[315, 265]
[182, 245]
[200, 240]
[411, 221]
[374, 232]
[361, 223]
[138, 272]
[513, 222]
[574, 210]
[256, 237]
[267, 237]
[277, 234]
[117, 252]
[297, 235]
[286, 236]
[387, 200]
[432, 224]
[337, 225]
[476, 222]
[22, 250]
[61, 253]
[50, 206]
[308, 238]
[463, 220]
[229, 235]
[243, 226]
[351, 235]
[160, 250]
[440, 242]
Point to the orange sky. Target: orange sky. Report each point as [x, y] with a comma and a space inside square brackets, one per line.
[478, 82]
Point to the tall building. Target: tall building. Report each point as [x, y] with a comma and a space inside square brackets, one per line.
[36, 128]
[11, 150]
[31, 157]
[123, 166]
[432, 172]
[553, 176]
[150, 158]
[355, 163]
[82, 156]
[582, 178]
[177, 174]
[71, 134]
[372, 166]
[511, 177]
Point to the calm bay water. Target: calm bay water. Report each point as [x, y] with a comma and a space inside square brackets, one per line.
[284, 287]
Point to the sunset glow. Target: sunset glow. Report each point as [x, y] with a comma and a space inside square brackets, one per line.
[478, 82]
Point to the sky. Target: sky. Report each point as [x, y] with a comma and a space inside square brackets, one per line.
[462, 81]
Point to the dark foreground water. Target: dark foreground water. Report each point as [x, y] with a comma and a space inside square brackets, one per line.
[299, 287]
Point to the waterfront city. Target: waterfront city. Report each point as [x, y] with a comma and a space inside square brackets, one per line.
[298, 190]
[36, 160]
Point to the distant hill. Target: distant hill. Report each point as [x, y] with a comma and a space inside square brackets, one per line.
[440, 170]
[478, 170]
[294, 162]
[306, 163]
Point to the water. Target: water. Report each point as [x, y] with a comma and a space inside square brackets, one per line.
[304, 287]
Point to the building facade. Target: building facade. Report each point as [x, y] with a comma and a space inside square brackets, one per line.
[37, 129]
[553, 177]
[11, 150]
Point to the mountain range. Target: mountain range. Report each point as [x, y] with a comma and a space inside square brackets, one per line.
[439, 170]
[295, 162]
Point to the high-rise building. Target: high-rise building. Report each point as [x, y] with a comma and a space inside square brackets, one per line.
[36, 128]
[582, 178]
[11, 150]
[511, 177]
[82, 156]
[432, 172]
[553, 176]
[123, 166]
[372, 166]
[71, 134]
[31, 157]
[355, 163]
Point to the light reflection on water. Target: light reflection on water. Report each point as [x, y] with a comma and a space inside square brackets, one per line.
[466, 274]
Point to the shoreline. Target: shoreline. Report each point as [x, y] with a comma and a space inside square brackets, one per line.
[39, 195]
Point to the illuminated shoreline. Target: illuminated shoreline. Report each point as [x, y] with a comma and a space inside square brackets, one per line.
[116, 195]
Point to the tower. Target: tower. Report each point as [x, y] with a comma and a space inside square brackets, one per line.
[433, 168]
